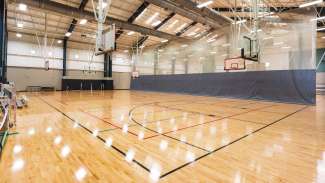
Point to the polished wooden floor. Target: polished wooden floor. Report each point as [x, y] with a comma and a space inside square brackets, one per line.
[131, 136]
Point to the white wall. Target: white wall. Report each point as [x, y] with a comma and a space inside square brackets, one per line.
[26, 63]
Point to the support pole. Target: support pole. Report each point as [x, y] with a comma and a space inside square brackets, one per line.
[64, 69]
[108, 62]
[3, 41]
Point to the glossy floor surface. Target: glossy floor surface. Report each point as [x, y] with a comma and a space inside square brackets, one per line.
[132, 136]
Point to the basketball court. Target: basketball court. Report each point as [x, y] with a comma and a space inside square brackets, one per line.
[162, 91]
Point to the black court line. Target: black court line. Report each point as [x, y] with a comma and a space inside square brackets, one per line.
[222, 147]
[100, 138]
[164, 134]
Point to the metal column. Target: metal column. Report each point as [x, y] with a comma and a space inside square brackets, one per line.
[3, 41]
[64, 71]
[108, 62]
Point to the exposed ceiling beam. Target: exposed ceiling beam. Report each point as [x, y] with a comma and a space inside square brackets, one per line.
[133, 17]
[75, 21]
[167, 4]
[186, 29]
[144, 38]
[243, 9]
[204, 12]
[47, 5]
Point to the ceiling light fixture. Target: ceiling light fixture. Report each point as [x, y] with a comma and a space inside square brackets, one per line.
[310, 3]
[20, 24]
[152, 18]
[68, 34]
[83, 21]
[207, 3]
[59, 41]
[164, 41]
[22, 7]
[19, 35]
[130, 33]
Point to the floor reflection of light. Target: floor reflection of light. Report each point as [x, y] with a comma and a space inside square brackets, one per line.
[213, 130]
[185, 114]
[95, 132]
[155, 172]
[125, 128]
[249, 130]
[172, 121]
[159, 130]
[201, 119]
[190, 156]
[237, 178]
[224, 126]
[75, 125]
[225, 141]
[65, 151]
[17, 149]
[321, 170]
[141, 135]
[57, 140]
[163, 145]
[48, 129]
[109, 142]
[31, 131]
[130, 155]
[175, 128]
[198, 134]
[122, 118]
[80, 174]
[18, 165]
[183, 138]
[158, 123]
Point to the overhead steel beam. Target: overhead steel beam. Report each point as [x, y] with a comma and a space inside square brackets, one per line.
[75, 21]
[133, 17]
[205, 12]
[65, 10]
[186, 29]
[197, 17]
[144, 38]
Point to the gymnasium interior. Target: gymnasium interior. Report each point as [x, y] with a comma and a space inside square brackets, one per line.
[225, 91]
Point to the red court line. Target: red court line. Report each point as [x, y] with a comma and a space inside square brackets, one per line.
[94, 116]
[215, 120]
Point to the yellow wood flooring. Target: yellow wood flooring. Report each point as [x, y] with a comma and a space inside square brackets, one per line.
[133, 136]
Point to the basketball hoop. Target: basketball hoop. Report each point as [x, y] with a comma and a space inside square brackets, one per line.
[135, 74]
[105, 41]
[234, 64]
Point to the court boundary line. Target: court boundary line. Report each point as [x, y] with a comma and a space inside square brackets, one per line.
[234, 141]
[98, 137]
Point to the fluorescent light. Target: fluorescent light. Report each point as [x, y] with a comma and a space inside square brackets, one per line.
[32, 52]
[130, 33]
[278, 43]
[181, 27]
[191, 33]
[320, 29]
[126, 51]
[240, 21]
[152, 18]
[59, 41]
[22, 7]
[76, 56]
[323, 37]
[19, 35]
[20, 24]
[50, 53]
[318, 18]
[68, 34]
[184, 46]
[83, 21]
[267, 38]
[207, 3]
[172, 24]
[211, 40]
[164, 41]
[286, 47]
[156, 23]
[310, 3]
